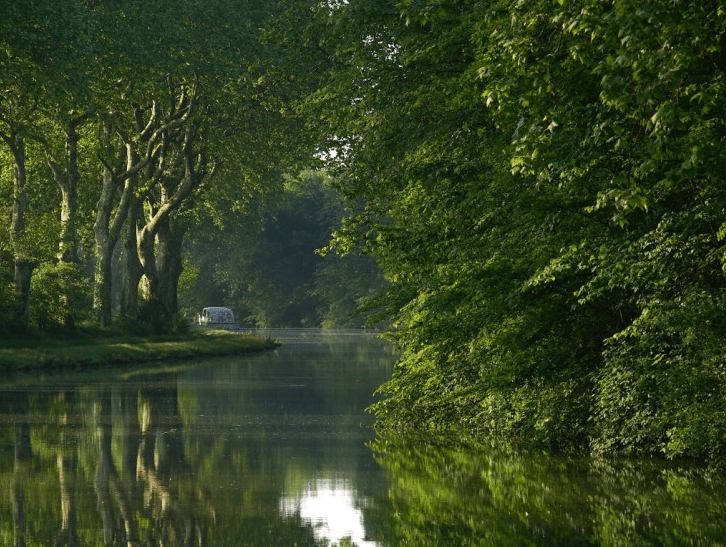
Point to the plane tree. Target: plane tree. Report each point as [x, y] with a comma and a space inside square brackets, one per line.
[136, 107]
[36, 67]
[216, 130]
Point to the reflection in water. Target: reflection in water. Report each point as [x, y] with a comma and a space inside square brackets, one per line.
[331, 508]
[446, 496]
[276, 450]
[198, 458]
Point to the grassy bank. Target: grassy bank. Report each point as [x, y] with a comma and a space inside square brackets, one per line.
[86, 350]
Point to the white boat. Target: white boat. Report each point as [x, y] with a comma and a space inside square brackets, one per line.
[217, 317]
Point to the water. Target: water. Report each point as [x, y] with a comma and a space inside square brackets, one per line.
[276, 449]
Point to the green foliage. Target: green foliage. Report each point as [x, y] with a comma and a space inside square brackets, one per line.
[7, 304]
[153, 313]
[541, 185]
[661, 386]
[123, 66]
[274, 276]
[499, 496]
[61, 297]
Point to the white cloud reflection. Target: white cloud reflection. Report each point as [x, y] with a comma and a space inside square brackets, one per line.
[331, 509]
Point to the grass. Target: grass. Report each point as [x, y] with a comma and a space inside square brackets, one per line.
[89, 349]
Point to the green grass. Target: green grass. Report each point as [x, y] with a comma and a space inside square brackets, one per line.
[88, 349]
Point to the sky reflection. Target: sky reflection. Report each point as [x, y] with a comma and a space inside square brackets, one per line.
[332, 509]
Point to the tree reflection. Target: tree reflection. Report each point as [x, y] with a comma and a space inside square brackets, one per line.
[17, 404]
[66, 461]
[226, 455]
[448, 496]
[108, 465]
[116, 531]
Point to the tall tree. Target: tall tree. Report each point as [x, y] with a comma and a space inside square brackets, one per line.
[539, 181]
[120, 180]
[185, 114]
[45, 98]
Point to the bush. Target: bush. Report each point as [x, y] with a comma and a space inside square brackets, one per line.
[61, 296]
[661, 389]
[133, 327]
[179, 324]
[153, 313]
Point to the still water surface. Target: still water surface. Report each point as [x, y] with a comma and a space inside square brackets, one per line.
[276, 449]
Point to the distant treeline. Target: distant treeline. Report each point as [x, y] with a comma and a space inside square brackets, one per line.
[276, 272]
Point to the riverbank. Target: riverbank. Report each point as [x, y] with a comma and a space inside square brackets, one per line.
[99, 350]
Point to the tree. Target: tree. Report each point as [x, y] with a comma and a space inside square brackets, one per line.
[46, 77]
[539, 182]
[173, 91]
[273, 273]
[215, 127]
[16, 113]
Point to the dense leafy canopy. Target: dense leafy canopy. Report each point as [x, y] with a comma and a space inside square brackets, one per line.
[132, 122]
[542, 184]
[272, 273]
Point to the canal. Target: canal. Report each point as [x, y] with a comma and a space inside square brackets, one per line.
[277, 449]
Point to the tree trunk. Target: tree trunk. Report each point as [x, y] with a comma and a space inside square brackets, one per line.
[67, 177]
[103, 278]
[132, 268]
[145, 247]
[175, 170]
[23, 265]
[107, 229]
[169, 240]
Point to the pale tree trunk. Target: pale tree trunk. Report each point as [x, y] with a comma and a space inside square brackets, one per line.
[174, 171]
[145, 151]
[194, 170]
[154, 311]
[102, 275]
[23, 266]
[107, 226]
[145, 248]
[67, 177]
[119, 184]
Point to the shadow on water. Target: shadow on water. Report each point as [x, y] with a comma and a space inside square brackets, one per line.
[276, 449]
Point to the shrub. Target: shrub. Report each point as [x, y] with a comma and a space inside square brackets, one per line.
[61, 296]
